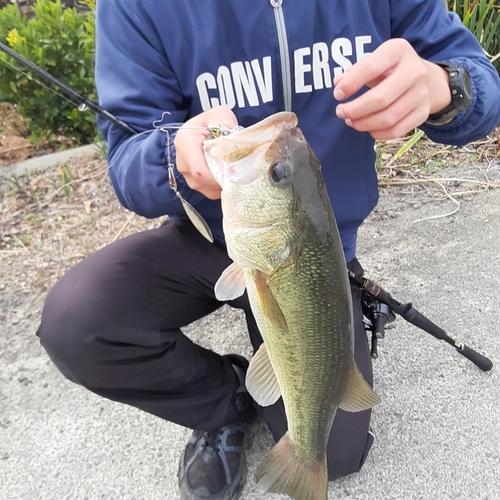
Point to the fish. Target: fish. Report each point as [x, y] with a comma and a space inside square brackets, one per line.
[282, 237]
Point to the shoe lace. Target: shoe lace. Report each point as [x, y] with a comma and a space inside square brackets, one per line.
[216, 441]
[211, 440]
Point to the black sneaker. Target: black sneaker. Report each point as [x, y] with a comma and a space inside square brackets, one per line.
[214, 466]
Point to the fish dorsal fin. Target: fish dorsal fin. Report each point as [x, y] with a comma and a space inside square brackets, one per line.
[231, 283]
[359, 395]
[261, 381]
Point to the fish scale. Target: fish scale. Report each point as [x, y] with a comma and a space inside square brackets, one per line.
[319, 334]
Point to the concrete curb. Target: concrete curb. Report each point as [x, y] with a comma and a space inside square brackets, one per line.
[48, 161]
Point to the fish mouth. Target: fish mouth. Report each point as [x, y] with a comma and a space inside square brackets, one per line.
[243, 143]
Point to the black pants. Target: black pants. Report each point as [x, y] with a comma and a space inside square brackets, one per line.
[113, 325]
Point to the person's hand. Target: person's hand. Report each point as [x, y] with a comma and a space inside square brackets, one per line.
[404, 90]
[188, 143]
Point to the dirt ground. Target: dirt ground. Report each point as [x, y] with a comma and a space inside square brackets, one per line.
[51, 220]
[14, 143]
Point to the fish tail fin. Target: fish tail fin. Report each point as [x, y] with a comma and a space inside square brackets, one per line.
[281, 472]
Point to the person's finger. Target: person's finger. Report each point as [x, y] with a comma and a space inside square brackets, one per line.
[370, 68]
[206, 185]
[389, 117]
[412, 120]
[213, 194]
[220, 116]
[184, 154]
[386, 93]
[190, 158]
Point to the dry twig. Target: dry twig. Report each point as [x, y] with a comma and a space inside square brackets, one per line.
[433, 217]
[120, 232]
[424, 180]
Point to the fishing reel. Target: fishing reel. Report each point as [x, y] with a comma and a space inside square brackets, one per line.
[380, 309]
[377, 318]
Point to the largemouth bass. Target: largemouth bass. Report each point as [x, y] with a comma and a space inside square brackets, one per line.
[282, 236]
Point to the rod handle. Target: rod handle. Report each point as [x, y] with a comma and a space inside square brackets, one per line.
[479, 360]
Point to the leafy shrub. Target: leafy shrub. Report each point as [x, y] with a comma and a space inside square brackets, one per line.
[25, 5]
[61, 41]
[482, 17]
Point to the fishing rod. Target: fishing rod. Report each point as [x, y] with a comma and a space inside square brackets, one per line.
[381, 308]
[83, 101]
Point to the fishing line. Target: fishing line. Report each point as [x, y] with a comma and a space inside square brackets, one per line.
[82, 107]
[81, 101]
[84, 101]
[162, 128]
[161, 119]
[51, 89]
[196, 219]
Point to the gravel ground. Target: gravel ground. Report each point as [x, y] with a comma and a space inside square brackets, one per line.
[437, 428]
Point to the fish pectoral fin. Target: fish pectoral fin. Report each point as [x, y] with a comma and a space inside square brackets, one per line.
[270, 306]
[359, 395]
[231, 283]
[261, 381]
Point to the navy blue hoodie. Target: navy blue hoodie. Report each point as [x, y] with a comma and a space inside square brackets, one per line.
[260, 57]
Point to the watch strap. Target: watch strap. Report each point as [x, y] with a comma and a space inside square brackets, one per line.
[461, 94]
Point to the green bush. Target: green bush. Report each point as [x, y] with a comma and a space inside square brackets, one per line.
[61, 41]
[482, 17]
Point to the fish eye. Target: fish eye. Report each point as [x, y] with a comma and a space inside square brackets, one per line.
[280, 172]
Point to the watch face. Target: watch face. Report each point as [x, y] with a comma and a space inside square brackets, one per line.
[460, 85]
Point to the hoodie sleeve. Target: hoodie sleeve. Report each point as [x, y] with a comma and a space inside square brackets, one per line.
[135, 83]
[439, 35]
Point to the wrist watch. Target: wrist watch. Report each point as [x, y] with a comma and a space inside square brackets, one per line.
[461, 94]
